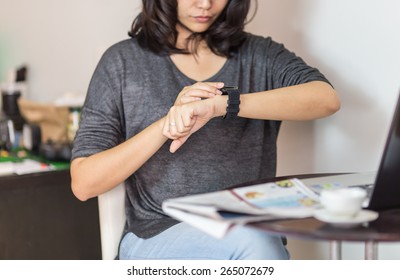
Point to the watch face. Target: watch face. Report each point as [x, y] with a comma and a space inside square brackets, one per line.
[226, 89]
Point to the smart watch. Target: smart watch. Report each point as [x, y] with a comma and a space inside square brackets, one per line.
[232, 108]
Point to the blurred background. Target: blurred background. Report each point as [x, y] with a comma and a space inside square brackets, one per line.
[356, 44]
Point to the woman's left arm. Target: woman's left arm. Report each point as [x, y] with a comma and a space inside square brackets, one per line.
[307, 101]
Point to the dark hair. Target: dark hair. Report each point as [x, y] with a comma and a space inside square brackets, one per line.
[155, 28]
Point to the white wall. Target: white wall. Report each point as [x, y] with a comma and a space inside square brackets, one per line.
[60, 40]
[355, 43]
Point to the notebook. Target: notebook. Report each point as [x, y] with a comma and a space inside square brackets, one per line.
[383, 186]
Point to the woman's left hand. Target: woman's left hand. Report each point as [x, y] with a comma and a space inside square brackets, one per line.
[198, 91]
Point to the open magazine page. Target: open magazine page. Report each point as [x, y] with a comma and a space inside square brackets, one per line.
[216, 212]
[287, 198]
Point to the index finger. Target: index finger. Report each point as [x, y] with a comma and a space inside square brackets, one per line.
[204, 89]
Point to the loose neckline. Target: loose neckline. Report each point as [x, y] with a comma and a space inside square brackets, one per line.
[213, 78]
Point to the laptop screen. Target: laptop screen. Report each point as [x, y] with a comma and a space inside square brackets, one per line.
[386, 193]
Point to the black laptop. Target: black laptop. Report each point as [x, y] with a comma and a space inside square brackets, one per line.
[383, 186]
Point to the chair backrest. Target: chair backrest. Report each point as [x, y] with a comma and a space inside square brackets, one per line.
[112, 220]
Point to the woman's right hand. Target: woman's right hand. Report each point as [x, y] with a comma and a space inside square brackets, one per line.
[198, 91]
[184, 120]
[181, 120]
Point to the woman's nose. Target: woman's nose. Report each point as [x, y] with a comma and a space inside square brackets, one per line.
[204, 4]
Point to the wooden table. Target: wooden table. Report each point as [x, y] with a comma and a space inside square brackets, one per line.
[385, 229]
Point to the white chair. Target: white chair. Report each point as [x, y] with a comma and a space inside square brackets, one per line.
[112, 220]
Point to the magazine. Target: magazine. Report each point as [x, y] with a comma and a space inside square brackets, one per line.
[217, 212]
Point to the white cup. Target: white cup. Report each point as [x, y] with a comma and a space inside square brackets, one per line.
[344, 203]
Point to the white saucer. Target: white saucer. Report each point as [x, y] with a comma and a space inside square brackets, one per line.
[362, 217]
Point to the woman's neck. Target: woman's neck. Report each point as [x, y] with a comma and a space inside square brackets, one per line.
[200, 63]
[183, 36]
[199, 66]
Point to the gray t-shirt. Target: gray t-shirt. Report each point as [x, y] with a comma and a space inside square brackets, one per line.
[132, 87]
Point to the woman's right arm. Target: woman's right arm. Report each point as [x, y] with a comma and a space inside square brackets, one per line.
[98, 173]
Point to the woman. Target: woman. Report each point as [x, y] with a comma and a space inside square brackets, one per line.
[153, 117]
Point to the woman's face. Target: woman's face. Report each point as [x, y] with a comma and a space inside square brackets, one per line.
[199, 15]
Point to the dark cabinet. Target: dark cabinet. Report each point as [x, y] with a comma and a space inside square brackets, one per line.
[41, 219]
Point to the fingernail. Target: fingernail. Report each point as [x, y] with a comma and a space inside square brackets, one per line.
[219, 92]
[220, 85]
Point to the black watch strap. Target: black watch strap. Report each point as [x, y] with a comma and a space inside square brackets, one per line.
[232, 108]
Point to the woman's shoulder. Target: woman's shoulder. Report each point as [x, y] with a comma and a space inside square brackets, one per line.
[258, 43]
[123, 47]
[127, 52]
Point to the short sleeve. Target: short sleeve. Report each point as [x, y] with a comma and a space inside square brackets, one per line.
[285, 68]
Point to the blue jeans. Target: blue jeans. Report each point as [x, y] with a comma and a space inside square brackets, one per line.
[183, 242]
